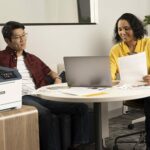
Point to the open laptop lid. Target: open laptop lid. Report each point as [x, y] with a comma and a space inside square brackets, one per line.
[88, 71]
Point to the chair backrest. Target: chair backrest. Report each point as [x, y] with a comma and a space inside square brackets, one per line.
[61, 72]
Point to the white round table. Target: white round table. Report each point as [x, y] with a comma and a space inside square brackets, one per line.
[113, 94]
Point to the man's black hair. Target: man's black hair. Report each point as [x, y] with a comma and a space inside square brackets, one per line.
[9, 27]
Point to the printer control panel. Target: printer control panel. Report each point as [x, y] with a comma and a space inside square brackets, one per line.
[7, 74]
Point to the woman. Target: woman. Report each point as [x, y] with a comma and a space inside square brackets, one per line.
[129, 38]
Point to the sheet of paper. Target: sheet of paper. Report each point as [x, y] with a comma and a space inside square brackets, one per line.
[82, 91]
[132, 68]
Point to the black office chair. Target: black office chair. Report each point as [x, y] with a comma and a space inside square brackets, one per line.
[138, 104]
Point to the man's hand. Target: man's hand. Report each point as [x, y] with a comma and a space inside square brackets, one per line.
[147, 79]
[55, 77]
[57, 81]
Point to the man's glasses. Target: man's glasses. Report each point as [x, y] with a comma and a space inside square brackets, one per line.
[18, 37]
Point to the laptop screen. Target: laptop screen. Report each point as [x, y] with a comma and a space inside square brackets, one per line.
[88, 71]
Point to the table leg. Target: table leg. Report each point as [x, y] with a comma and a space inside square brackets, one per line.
[98, 127]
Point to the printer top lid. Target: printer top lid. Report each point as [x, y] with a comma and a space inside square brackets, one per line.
[9, 74]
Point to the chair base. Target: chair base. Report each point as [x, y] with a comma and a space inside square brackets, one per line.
[142, 119]
[141, 139]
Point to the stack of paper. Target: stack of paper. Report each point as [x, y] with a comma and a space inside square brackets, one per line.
[82, 91]
[132, 68]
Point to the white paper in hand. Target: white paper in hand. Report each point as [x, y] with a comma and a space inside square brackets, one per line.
[132, 68]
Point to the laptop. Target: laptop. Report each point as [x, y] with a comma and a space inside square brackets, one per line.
[88, 71]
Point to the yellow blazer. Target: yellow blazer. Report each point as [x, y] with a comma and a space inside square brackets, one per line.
[121, 49]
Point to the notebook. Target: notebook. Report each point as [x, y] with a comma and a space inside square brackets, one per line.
[88, 71]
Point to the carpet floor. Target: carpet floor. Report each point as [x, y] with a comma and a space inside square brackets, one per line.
[119, 126]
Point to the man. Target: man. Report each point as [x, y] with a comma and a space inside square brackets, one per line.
[35, 73]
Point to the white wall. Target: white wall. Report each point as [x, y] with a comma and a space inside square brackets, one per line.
[57, 11]
[44, 11]
[17, 10]
[51, 43]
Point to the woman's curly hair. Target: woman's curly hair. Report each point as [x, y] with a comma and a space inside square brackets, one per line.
[136, 25]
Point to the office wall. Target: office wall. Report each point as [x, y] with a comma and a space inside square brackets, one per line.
[51, 43]
[17, 10]
[44, 11]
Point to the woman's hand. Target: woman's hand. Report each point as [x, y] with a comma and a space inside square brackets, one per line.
[147, 79]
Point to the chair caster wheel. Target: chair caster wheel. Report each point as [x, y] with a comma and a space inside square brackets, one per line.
[130, 126]
[115, 147]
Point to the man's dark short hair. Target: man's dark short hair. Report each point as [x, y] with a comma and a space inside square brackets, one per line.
[135, 23]
[9, 27]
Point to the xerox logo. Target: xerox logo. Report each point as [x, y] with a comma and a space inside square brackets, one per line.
[2, 92]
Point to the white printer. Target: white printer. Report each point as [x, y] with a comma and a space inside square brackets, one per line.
[10, 88]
